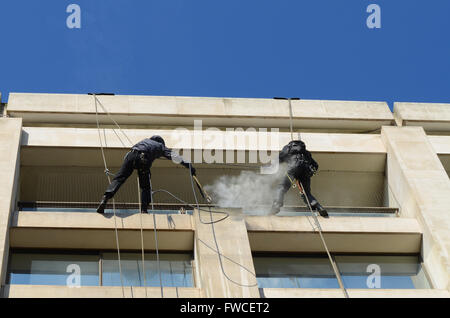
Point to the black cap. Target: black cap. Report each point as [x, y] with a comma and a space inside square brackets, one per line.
[158, 139]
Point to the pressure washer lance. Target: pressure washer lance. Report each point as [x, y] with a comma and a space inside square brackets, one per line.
[204, 194]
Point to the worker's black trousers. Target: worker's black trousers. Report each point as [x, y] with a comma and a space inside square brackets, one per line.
[286, 183]
[133, 161]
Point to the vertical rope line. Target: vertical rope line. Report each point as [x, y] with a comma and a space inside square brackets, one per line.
[114, 204]
[215, 239]
[333, 265]
[290, 119]
[156, 239]
[142, 239]
[299, 184]
[151, 195]
[109, 115]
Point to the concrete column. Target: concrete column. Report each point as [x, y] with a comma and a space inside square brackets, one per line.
[420, 185]
[233, 243]
[10, 132]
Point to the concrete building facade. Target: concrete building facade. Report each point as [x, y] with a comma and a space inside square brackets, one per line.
[383, 176]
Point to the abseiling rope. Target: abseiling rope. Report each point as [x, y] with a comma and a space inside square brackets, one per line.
[142, 238]
[220, 255]
[333, 265]
[319, 227]
[217, 245]
[156, 240]
[211, 222]
[114, 207]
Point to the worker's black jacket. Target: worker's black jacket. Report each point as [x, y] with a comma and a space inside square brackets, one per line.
[298, 159]
[154, 150]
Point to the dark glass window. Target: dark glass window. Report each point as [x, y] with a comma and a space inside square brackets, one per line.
[47, 268]
[368, 271]
[176, 270]
[52, 269]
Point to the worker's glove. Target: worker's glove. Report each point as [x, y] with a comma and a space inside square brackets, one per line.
[311, 171]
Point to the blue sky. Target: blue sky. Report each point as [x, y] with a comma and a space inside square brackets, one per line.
[319, 49]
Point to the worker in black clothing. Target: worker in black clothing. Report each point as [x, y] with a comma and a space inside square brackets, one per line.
[301, 166]
[141, 157]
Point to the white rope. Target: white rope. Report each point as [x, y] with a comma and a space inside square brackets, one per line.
[142, 238]
[319, 228]
[109, 115]
[336, 271]
[154, 218]
[114, 204]
[219, 254]
[290, 119]
[156, 240]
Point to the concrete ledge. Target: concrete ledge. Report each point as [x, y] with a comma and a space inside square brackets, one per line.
[217, 112]
[81, 147]
[440, 144]
[342, 234]
[431, 116]
[221, 140]
[39, 291]
[98, 221]
[354, 293]
[95, 231]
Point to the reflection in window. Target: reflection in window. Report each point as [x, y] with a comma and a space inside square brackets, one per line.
[395, 272]
[51, 269]
[34, 268]
[294, 272]
[176, 270]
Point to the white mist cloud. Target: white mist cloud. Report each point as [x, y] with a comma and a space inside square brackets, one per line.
[251, 191]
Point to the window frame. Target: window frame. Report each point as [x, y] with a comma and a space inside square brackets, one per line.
[420, 260]
[98, 253]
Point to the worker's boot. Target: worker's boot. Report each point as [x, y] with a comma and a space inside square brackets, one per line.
[316, 206]
[102, 206]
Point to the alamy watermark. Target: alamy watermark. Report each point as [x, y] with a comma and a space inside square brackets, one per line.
[213, 145]
[374, 279]
[73, 21]
[74, 279]
[374, 19]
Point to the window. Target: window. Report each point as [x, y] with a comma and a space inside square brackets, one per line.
[367, 271]
[176, 270]
[396, 272]
[294, 272]
[100, 268]
[51, 269]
